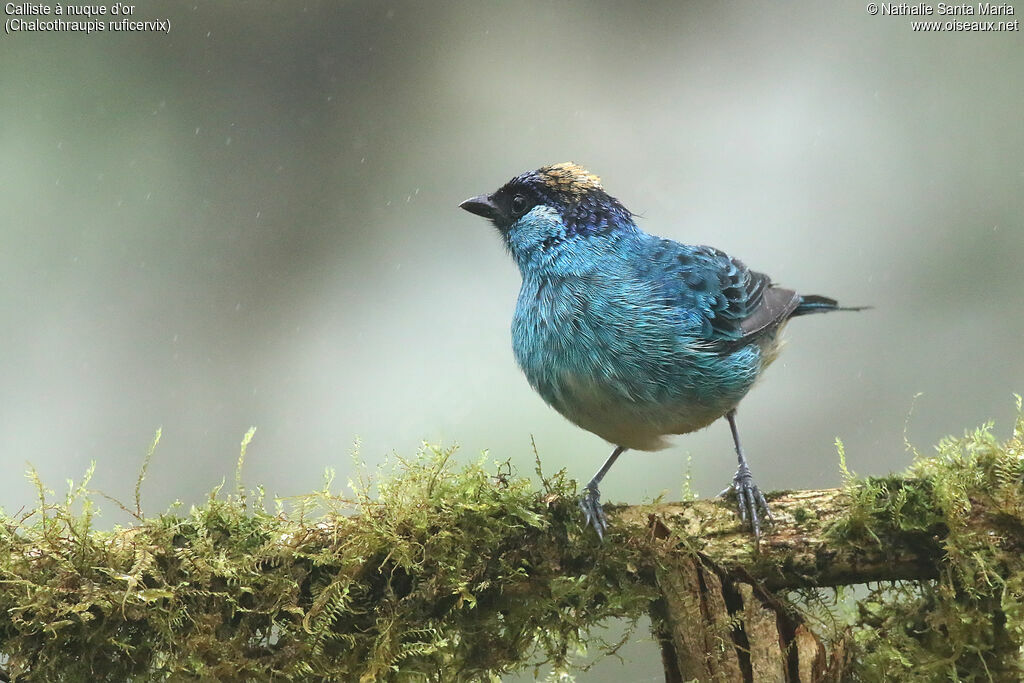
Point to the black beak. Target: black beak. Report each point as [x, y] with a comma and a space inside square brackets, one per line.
[481, 206]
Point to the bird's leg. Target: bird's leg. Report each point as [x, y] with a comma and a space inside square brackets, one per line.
[748, 496]
[590, 503]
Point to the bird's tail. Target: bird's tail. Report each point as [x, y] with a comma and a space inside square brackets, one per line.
[813, 303]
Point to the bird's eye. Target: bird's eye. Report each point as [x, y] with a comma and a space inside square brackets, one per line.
[519, 205]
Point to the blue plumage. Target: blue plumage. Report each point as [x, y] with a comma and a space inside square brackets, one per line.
[631, 336]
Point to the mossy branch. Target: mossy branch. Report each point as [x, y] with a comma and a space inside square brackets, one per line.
[804, 546]
[444, 573]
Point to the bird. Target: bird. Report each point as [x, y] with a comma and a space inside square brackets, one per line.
[628, 335]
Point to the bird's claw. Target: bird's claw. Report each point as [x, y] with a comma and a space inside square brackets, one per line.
[593, 513]
[749, 499]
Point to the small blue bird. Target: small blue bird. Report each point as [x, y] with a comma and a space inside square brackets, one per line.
[628, 335]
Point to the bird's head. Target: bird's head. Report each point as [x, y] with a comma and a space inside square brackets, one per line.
[540, 210]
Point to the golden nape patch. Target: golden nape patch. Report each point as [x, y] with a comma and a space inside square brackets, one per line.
[570, 179]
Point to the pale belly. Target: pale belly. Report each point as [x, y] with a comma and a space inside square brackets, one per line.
[632, 424]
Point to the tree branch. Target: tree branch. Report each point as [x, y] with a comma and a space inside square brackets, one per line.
[441, 573]
[795, 550]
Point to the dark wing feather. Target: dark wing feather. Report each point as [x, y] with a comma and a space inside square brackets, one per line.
[737, 304]
[776, 305]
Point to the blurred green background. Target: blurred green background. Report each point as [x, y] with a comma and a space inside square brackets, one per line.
[253, 221]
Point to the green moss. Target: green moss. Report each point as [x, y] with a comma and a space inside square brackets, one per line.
[968, 622]
[438, 572]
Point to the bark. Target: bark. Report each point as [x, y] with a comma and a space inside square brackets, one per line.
[794, 550]
[718, 619]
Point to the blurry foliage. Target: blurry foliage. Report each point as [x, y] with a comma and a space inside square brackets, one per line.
[437, 572]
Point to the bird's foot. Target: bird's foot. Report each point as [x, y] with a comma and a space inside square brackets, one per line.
[593, 513]
[749, 499]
